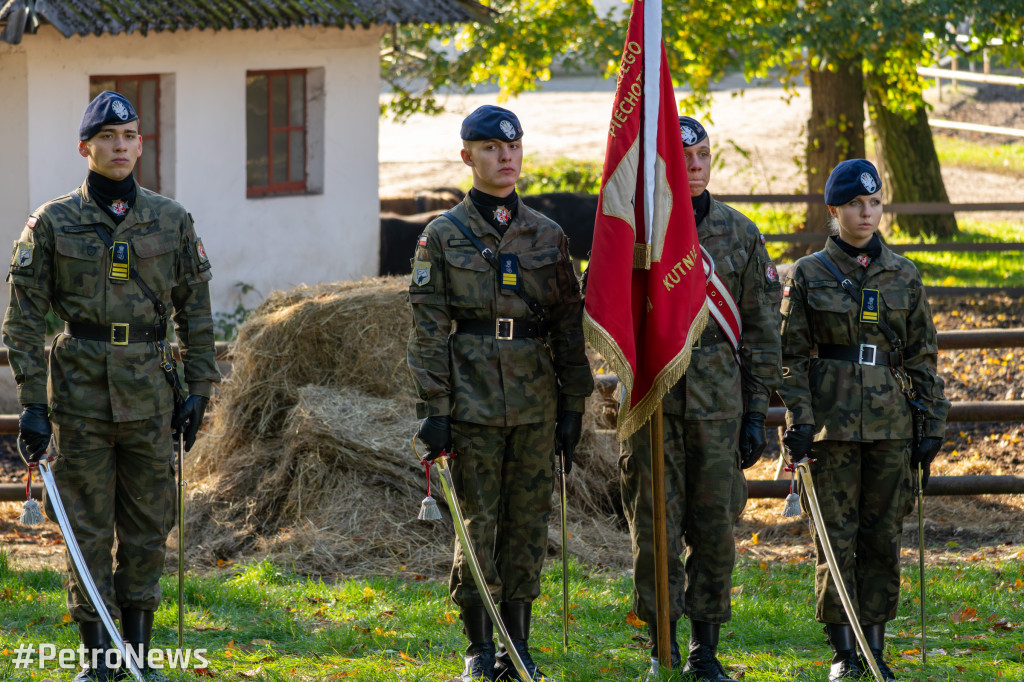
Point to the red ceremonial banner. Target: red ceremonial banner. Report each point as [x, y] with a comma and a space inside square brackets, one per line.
[646, 300]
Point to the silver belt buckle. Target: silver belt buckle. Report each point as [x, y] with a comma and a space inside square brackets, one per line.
[868, 347]
[503, 328]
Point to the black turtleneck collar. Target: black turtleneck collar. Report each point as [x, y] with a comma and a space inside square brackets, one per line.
[490, 208]
[116, 197]
[873, 248]
[701, 207]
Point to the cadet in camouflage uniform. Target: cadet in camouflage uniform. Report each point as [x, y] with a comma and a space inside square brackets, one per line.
[501, 381]
[110, 404]
[713, 428]
[846, 411]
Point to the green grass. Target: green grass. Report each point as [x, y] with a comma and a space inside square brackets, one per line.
[997, 158]
[261, 622]
[950, 269]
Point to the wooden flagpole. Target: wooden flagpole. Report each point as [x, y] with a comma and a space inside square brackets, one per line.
[660, 537]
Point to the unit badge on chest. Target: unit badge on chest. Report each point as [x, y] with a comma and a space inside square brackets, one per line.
[119, 207]
[502, 215]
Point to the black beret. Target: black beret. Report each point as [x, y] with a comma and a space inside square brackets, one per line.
[491, 122]
[108, 108]
[850, 179]
[691, 130]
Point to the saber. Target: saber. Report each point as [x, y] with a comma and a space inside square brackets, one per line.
[474, 566]
[565, 558]
[81, 569]
[920, 554]
[803, 468]
[181, 541]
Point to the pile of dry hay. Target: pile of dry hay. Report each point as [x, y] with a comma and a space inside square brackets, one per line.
[307, 456]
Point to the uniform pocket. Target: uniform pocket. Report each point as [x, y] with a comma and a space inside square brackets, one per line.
[540, 274]
[155, 259]
[470, 282]
[79, 263]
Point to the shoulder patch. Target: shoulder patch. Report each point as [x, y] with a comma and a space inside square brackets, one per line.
[23, 254]
[421, 273]
[202, 260]
[31, 222]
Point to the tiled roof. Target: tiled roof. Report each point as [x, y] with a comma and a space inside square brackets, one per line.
[84, 17]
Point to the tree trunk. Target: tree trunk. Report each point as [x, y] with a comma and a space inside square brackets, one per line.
[909, 167]
[835, 132]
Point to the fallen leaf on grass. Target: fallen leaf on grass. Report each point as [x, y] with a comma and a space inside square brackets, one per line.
[252, 673]
[406, 657]
[964, 615]
[634, 620]
[203, 672]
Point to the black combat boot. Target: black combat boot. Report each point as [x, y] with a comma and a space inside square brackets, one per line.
[845, 661]
[674, 655]
[874, 633]
[96, 642]
[516, 616]
[480, 652]
[702, 664]
[137, 630]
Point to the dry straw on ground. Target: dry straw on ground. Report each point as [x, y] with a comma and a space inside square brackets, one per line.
[308, 455]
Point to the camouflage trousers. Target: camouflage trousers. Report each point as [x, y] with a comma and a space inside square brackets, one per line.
[504, 477]
[116, 482]
[865, 490]
[705, 492]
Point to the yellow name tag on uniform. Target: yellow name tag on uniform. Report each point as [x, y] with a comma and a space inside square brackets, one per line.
[119, 262]
[869, 305]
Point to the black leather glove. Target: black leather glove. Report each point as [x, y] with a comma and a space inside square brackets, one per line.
[34, 431]
[923, 453]
[753, 440]
[568, 429]
[798, 440]
[188, 417]
[436, 432]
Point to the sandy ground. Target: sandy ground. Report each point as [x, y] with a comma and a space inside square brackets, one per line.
[569, 118]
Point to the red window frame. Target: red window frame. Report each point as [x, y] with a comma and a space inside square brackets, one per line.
[273, 185]
[151, 142]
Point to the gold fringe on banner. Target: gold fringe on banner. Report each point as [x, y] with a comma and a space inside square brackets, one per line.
[631, 420]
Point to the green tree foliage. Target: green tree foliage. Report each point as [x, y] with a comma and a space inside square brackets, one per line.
[785, 41]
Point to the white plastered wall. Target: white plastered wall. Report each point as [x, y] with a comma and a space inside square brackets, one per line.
[267, 243]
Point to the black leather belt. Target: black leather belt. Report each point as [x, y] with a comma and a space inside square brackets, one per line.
[864, 354]
[118, 333]
[711, 336]
[503, 328]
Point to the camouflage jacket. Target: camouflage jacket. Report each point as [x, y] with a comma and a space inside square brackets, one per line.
[846, 400]
[715, 385]
[61, 262]
[478, 378]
